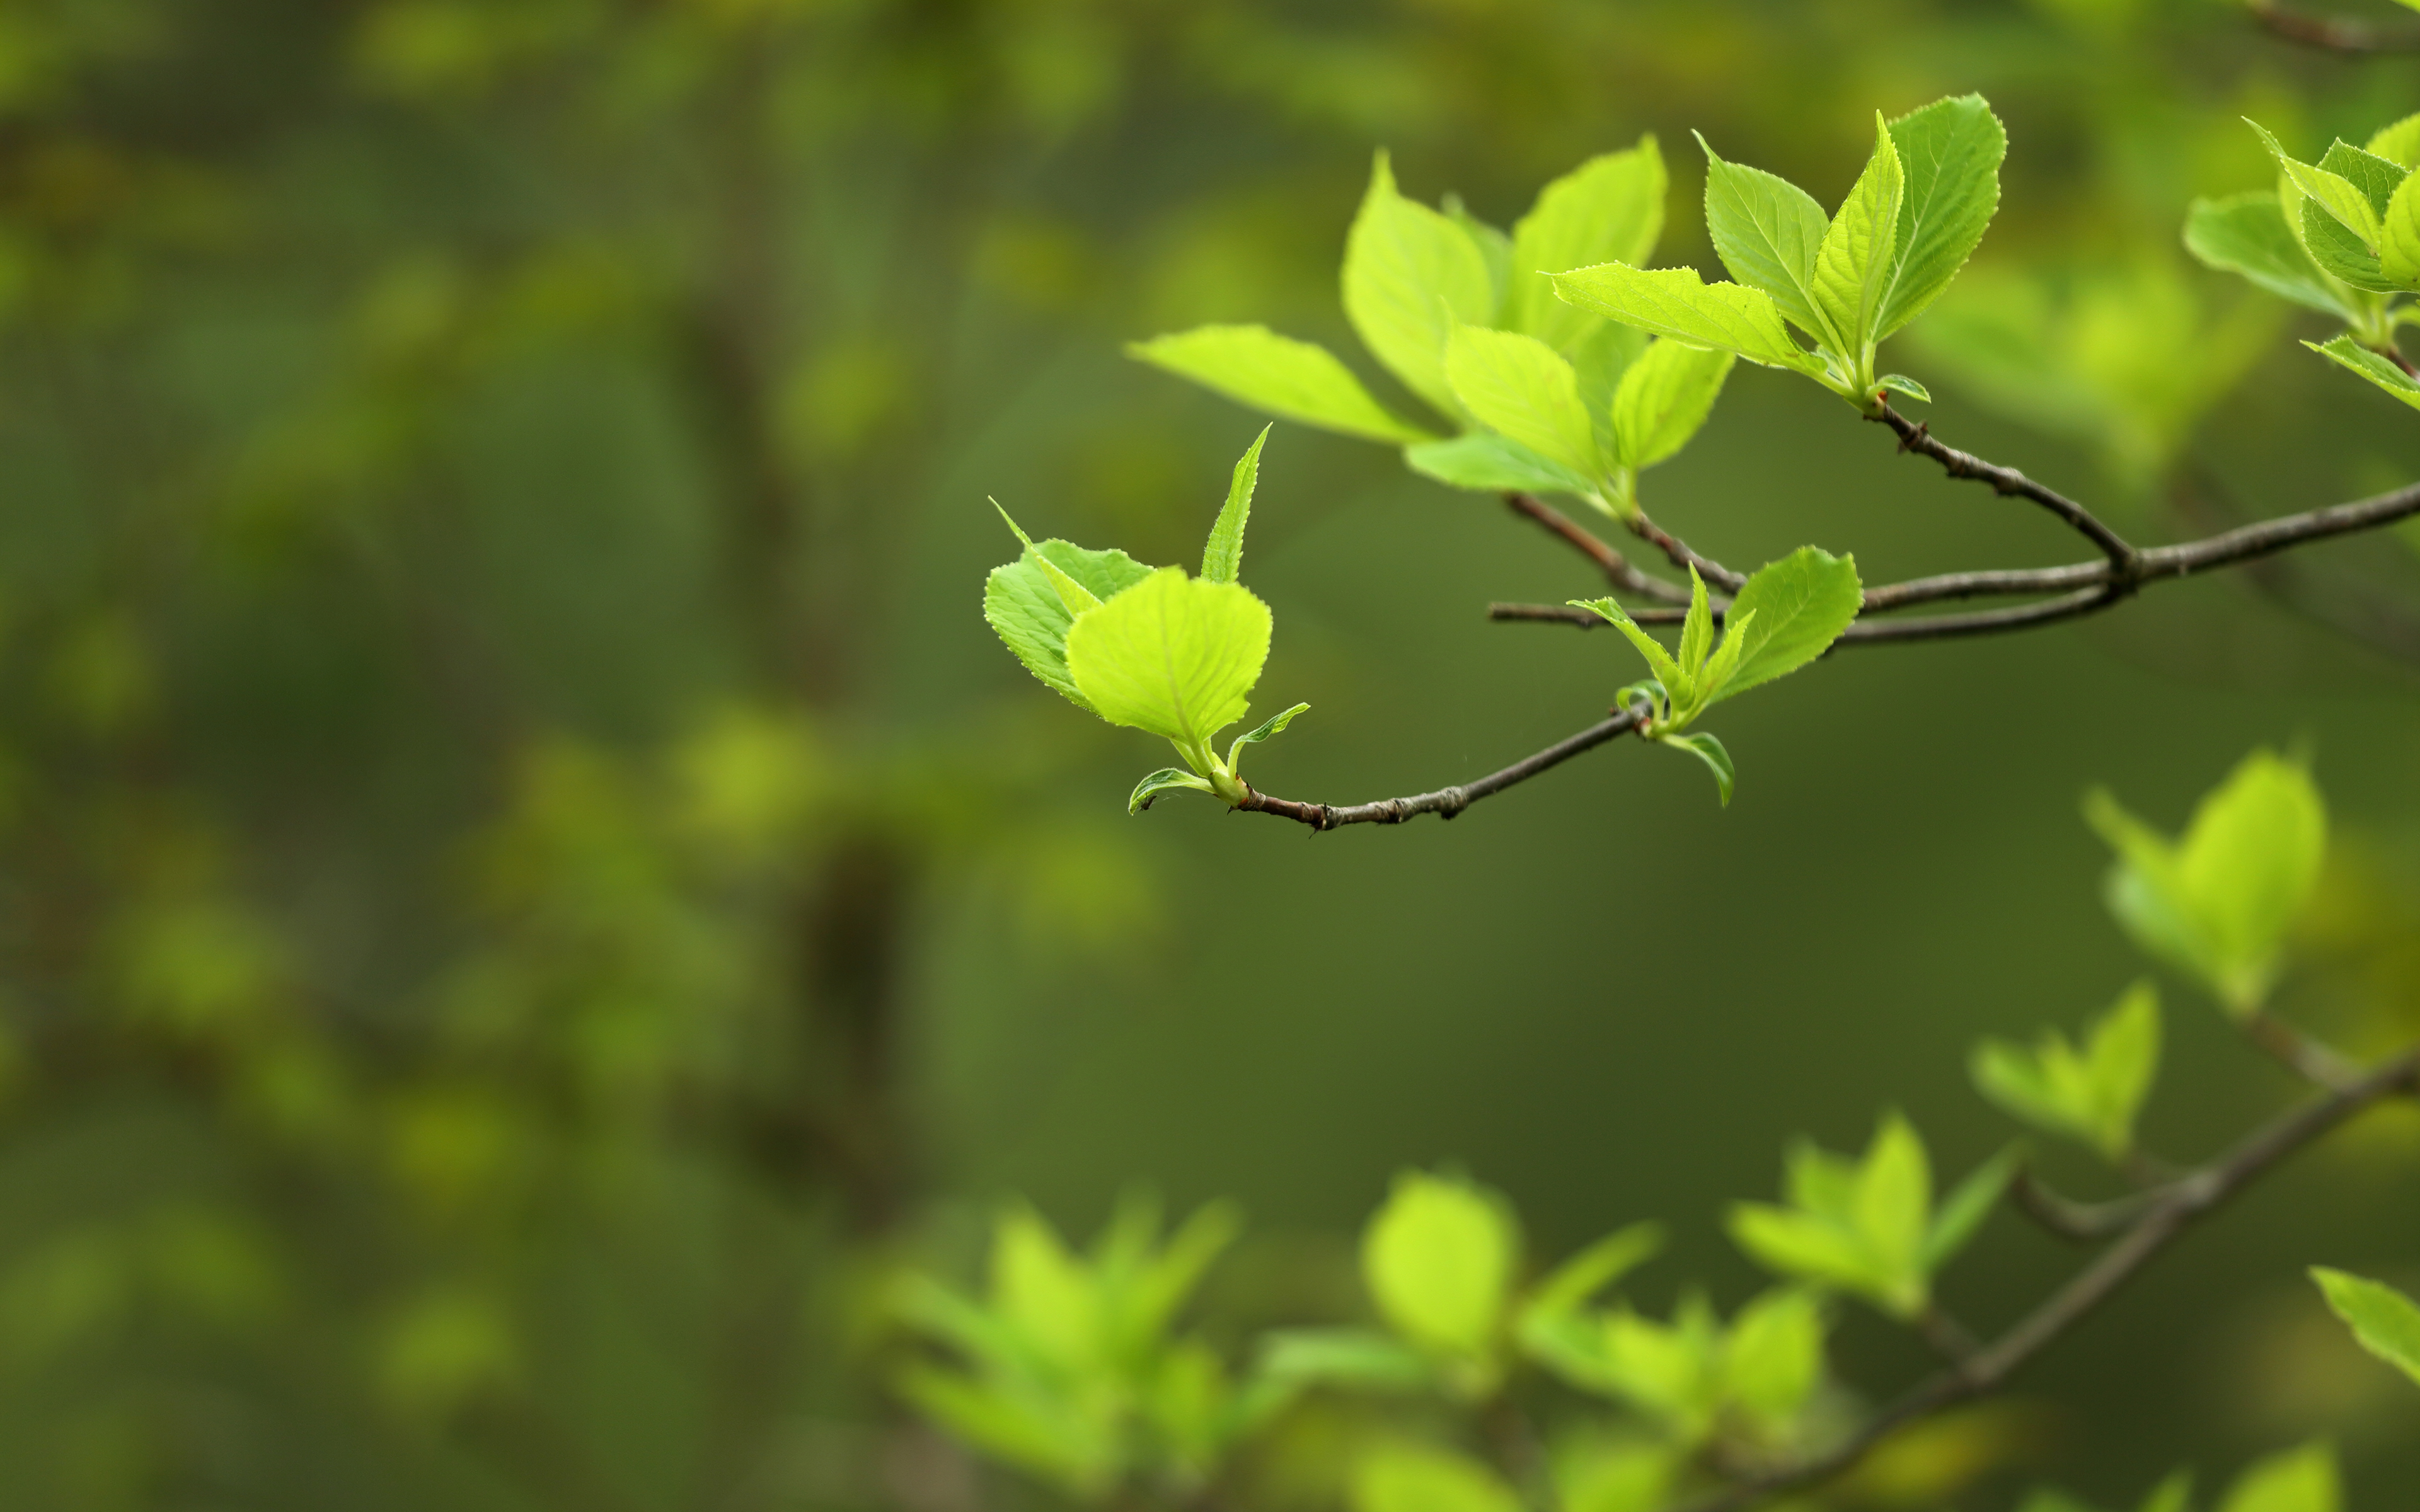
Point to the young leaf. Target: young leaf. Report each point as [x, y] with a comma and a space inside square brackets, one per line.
[1172, 656]
[1968, 1204]
[2246, 234]
[1667, 671]
[1852, 267]
[2385, 1320]
[2399, 252]
[1518, 386]
[2339, 249]
[2217, 902]
[2377, 178]
[1223, 558]
[1160, 782]
[1801, 603]
[1493, 464]
[2092, 1096]
[1410, 276]
[2332, 193]
[1894, 1197]
[1610, 209]
[1274, 725]
[1950, 152]
[1029, 613]
[1864, 1228]
[1407, 1477]
[1902, 383]
[1495, 247]
[1708, 749]
[1696, 629]
[1772, 1359]
[2298, 1480]
[1663, 398]
[2355, 358]
[1673, 301]
[1078, 1455]
[1439, 1258]
[1569, 1285]
[1345, 1357]
[1276, 375]
[1767, 231]
[2398, 144]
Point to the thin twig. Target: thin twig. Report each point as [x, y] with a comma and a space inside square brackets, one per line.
[1617, 569]
[2169, 1212]
[1446, 802]
[2331, 33]
[1679, 552]
[2320, 1064]
[2082, 1222]
[2123, 557]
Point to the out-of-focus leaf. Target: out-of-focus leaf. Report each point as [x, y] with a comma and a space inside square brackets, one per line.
[1410, 277]
[1291, 380]
[2385, 1320]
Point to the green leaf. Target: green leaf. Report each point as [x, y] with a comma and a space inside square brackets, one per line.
[1950, 153]
[1160, 782]
[1902, 383]
[1615, 1475]
[1667, 671]
[1519, 387]
[1223, 558]
[1274, 725]
[1852, 267]
[1343, 1357]
[2377, 178]
[1493, 464]
[1027, 610]
[1696, 629]
[1968, 1204]
[1571, 1283]
[1767, 231]
[2351, 355]
[1663, 398]
[1439, 1258]
[2246, 234]
[1406, 1478]
[1894, 1196]
[1864, 1228]
[2217, 902]
[1610, 209]
[1063, 1447]
[2332, 193]
[2398, 144]
[1774, 1358]
[2385, 1320]
[1172, 655]
[1796, 1243]
[2298, 1480]
[1044, 1291]
[1410, 276]
[2339, 250]
[1673, 301]
[1708, 749]
[2092, 1096]
[2399, 253]
[1495, 249]
[1276, 375]
[2173, 1494]
[1801, 603]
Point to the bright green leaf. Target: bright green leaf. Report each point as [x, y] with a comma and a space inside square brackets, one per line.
[1029, 611]
[2332, 193]
[1160, 782]
[1774, 1358]
[2217, 902]
[2339, 250]
[1223, 558]
[1967, 1205]
[2247, 234]
[1894, 1196]
[1610, 209]
[1172, 655]
[1675, 303]
[2385, 1320]
[1704, 746]
[1852, 267]
[2398, 144]
[1406, 1478]
[1495, 249]
[1801, 603]
[1439, 1259]
[1950, 153]
[2298, 1480]
[2399, 253]
[1274, 725]
[1767, 231]
[2093, 1095]
[1663, 398]
[1519, 387]
[1291, 379]
[1410, 276]
[1571, 1283]
[1667, 671]
[1902, 383]
[1345, 1357]
[1493, 464]
[2377, 178]
[2355, 358]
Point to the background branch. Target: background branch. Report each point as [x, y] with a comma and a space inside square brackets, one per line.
[2331, 33]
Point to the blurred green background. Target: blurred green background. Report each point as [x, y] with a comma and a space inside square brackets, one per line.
[528, 881]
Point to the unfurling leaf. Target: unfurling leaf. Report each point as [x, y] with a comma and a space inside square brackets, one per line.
[1703, 745]
[1852, 267]
[1223, 558]
[2217, 902]
[1610, 209]
[1411, 275]
[1160, 782]
[1173, 655]
[1276, 375]
[1273, 725]
[1868, 1228]
[2385, 1320]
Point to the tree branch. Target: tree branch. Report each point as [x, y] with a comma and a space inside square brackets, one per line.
[1446, 802]
[2164, 1216]
[1617, 569]
[2331, 33]
[2123, 558]
[1679, 552]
